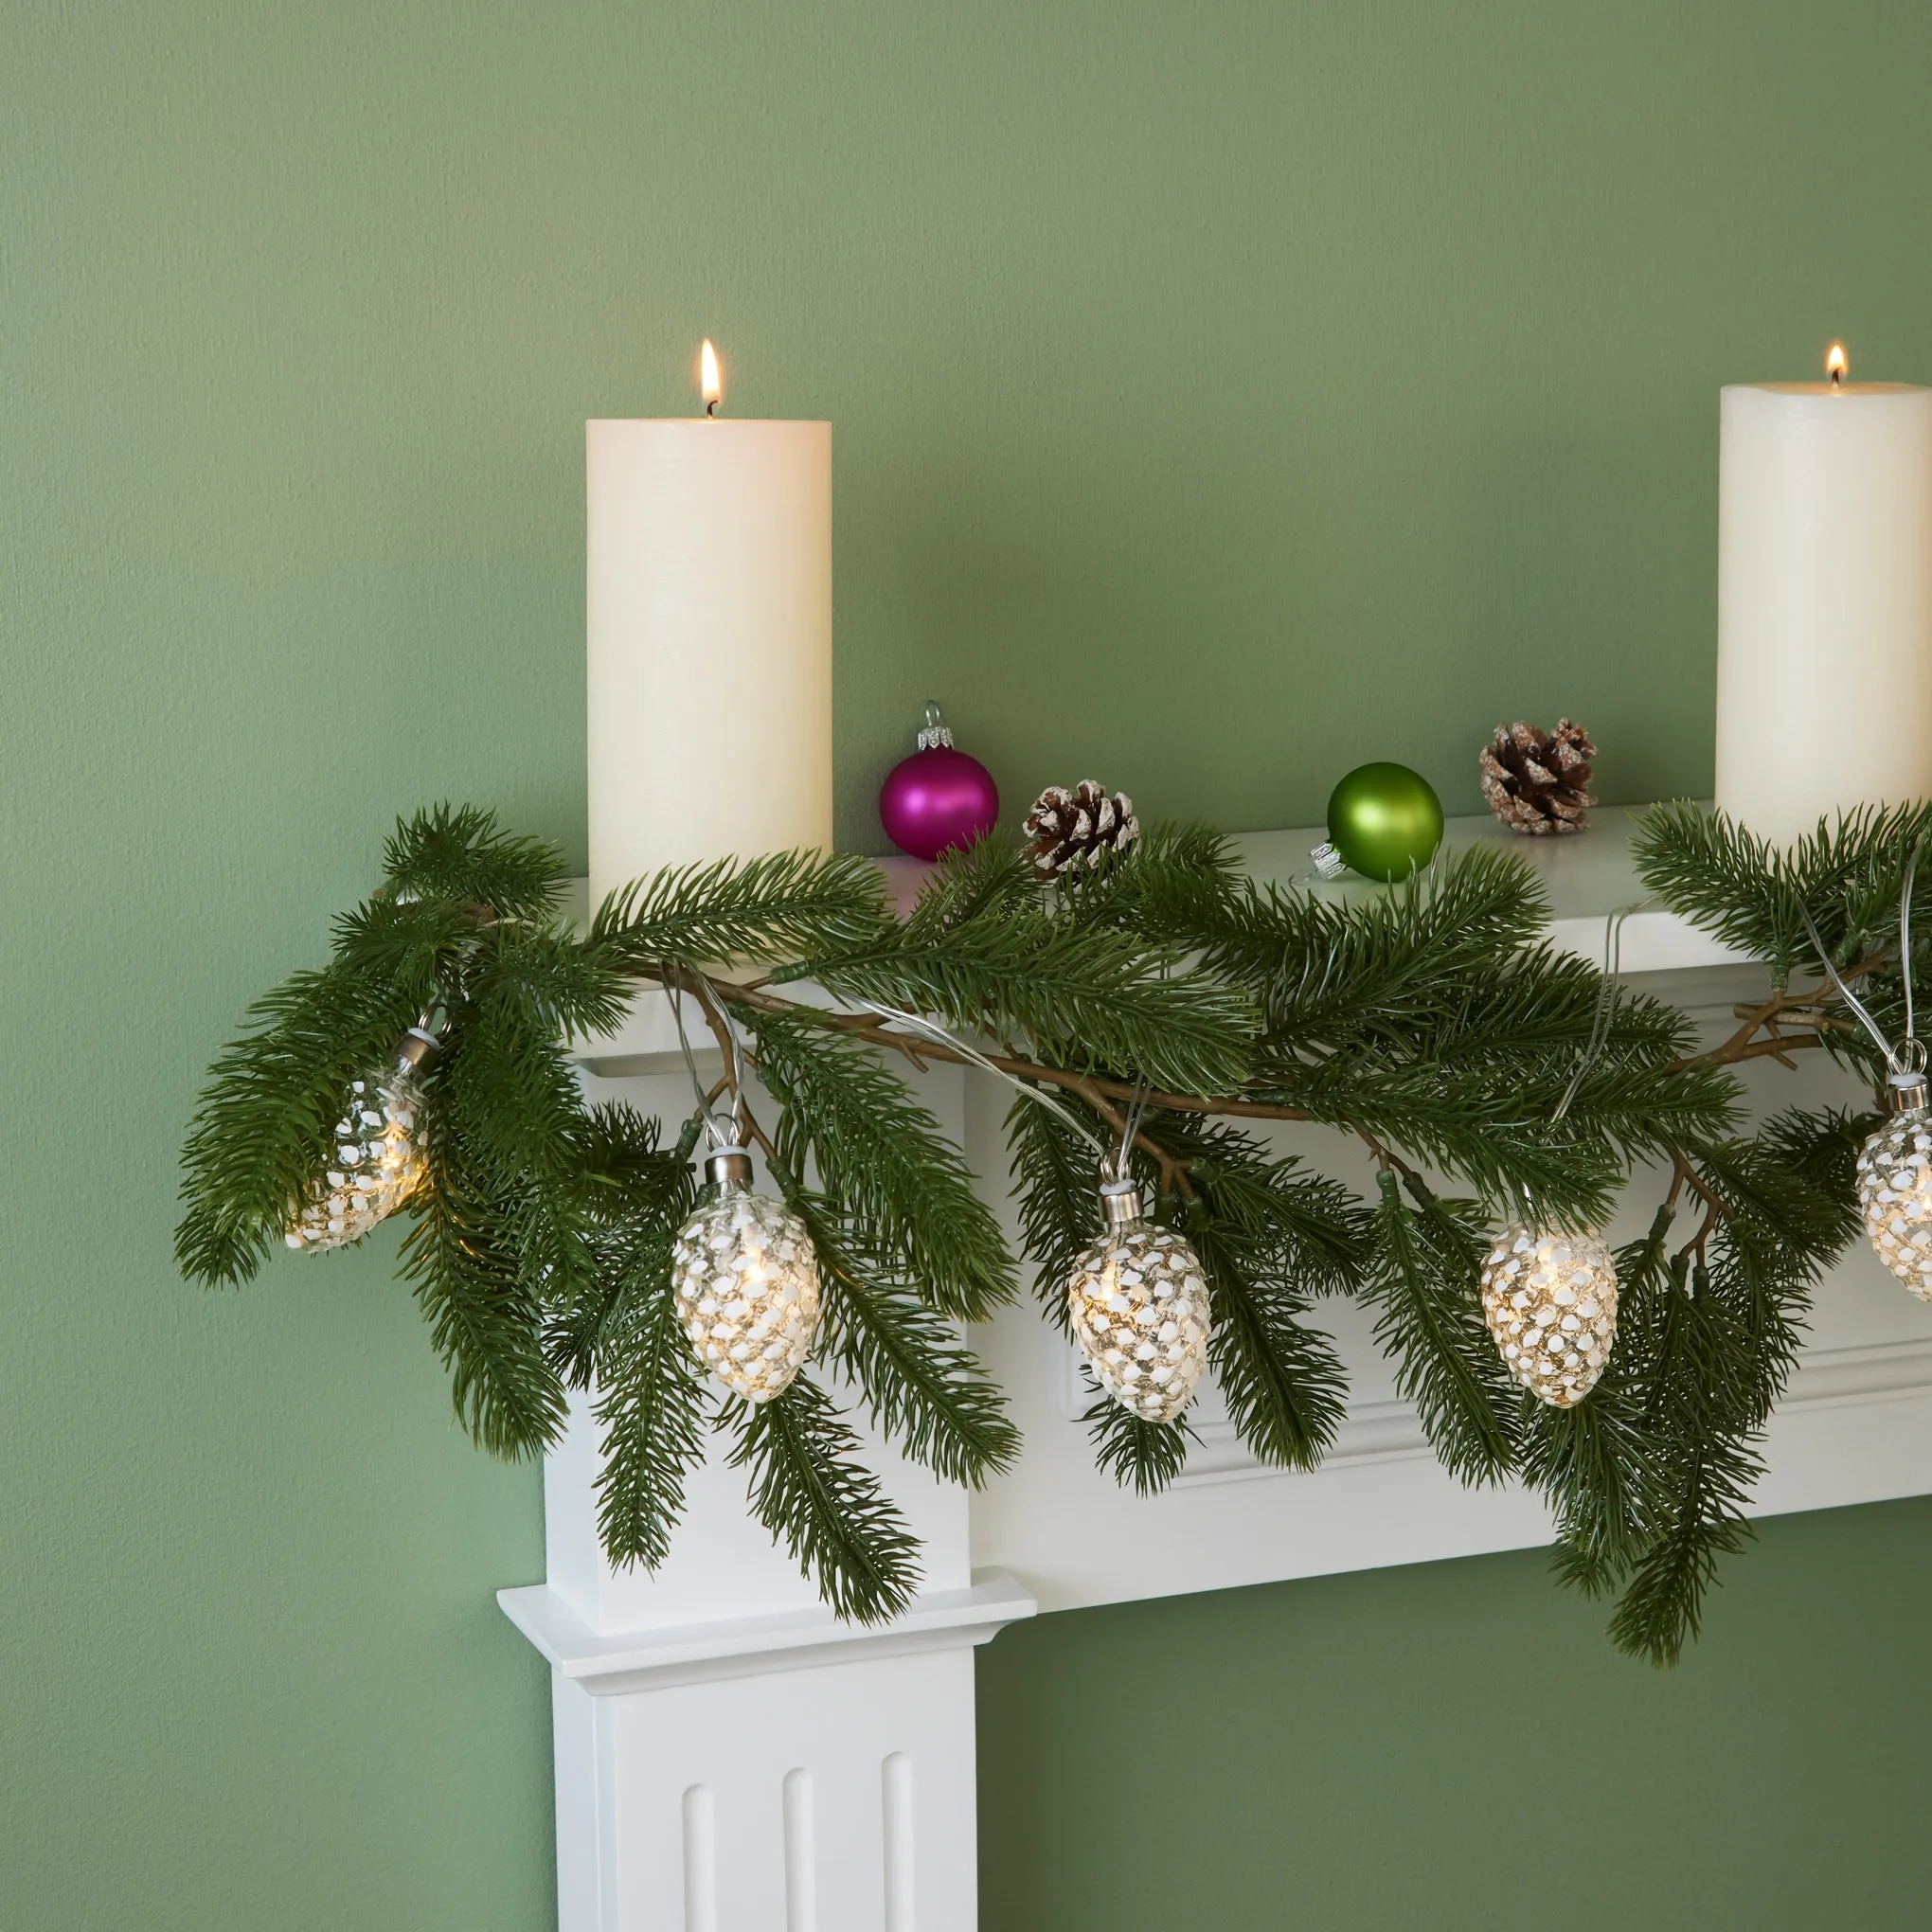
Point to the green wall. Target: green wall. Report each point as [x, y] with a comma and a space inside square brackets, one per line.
[1450, 1748]
[1223, 396]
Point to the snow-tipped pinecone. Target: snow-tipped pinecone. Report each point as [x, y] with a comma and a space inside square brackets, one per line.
[1539, 781]
[1072, 831]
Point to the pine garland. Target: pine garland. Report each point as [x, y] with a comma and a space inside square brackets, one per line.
[1428, 1025]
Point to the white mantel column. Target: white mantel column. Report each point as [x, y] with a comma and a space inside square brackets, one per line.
[730, 1756]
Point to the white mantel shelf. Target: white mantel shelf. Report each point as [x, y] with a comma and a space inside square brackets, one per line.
[1587, 877]
[729, 1755]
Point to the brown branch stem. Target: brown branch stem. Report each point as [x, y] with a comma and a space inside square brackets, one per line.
[1758, 1036]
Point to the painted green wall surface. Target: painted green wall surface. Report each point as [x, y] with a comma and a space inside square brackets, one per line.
[1223, 396]
[1450, 1748]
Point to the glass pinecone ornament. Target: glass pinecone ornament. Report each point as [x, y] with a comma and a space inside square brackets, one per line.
[747, 1284]
[1895, 1187]
[1074, 831]
[377, 1160]
[1137, 1299]
[1538, 782]
[1551, 1304]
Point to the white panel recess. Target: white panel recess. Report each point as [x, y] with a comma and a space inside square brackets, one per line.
[730, 1756]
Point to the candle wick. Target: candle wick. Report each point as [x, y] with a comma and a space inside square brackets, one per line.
[711, 407]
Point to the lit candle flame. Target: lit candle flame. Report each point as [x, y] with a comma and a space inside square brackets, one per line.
[1837, 364]
[709, 385]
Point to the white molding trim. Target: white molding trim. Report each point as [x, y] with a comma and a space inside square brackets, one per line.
[1371, 1432]
[609, 1666]
[1849, 1378]
[1389, 1432]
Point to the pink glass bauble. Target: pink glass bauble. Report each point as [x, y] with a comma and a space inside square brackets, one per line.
[938, 797]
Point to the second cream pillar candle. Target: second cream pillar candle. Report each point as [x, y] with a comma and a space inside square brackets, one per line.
[1824, 624]
[709, 609]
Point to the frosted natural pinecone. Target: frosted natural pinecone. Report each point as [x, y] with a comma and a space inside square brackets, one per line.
[1895, 1196]
[1551, 1304]
[1072, 829]
[1138, 1303]
[748, 1290]
[375, 1164]
[1538, 782]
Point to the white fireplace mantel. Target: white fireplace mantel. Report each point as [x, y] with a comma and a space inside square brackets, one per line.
[730, 1756]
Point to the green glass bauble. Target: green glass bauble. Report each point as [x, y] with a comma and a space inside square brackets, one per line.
[1385, 821]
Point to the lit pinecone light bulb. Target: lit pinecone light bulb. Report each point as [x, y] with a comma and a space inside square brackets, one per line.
[377, 1160]
[747, 1284]
[1137, 1299]
[1895, 1185]
[1549, 1300]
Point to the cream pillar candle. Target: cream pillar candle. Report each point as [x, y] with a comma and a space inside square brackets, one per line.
[709, 604]
[1824, 600]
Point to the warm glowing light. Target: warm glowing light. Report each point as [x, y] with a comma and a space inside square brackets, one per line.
[708, 385]
[1837, 364]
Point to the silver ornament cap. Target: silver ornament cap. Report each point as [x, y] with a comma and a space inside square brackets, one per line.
[729, 1166]
[1905, 1091]
[935, 734]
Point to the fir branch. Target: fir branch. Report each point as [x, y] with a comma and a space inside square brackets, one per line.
[1723, 878]
[560, 989]
[1425, 1021]
[1059, 1200]
[1180, 884]
[460, 853]
[826, 1508]
[1817, 1150]
[1282, 1380]
[1338, 974]
[634, 1197]
[1698, 1474]
[517, 1092]
[1136, 1452]
[987, 880]
[1474, 1085]
[467, 1263]
[1706, 1349]
[650, 1407]
[763, 908]
[1078, 998]
[1429, 1321]
[1271, 1238]
[886, 1162]
[1587, 1459]
[925, 1391]
[266, 1118]
[418, 942]
[1303, 1226]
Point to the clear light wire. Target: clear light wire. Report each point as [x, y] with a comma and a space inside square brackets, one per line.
[932, 1031]
[1906, 929]
[719, 1137]
[1130, 1127]
[1845, 993]
[1606, 1004]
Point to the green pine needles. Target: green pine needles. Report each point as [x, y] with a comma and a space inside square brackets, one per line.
[1428, 1026]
